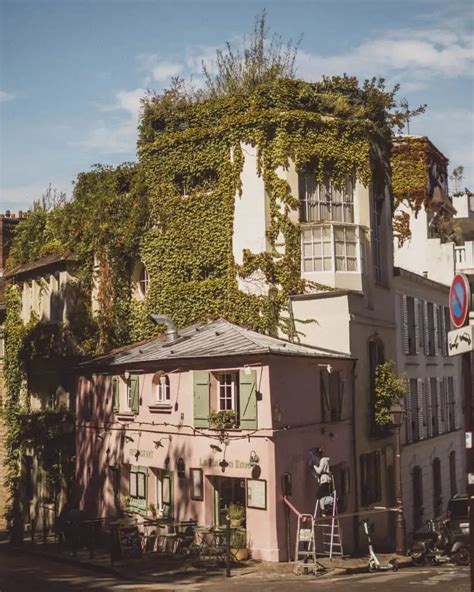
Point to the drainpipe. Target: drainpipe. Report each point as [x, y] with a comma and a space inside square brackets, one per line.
[355, 524]
[171, 331]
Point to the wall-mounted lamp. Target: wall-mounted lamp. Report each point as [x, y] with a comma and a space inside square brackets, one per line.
[247, 370]
[127, 375]
[215, 448]
[128, 438]
[158, 443]
[327, 366]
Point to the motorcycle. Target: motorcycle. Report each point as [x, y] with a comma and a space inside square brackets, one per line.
[436, 543]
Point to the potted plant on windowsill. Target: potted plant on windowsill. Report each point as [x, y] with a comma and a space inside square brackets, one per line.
[220, 420]
[236, 514]
[238, 544]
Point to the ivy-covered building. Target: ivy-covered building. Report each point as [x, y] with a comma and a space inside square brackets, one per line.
[269, 208]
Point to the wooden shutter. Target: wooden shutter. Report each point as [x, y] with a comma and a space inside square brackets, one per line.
[404, 325]
[201, 395]
[444, 336]
[439, 404]
[421, 429]
[115, 393]
[417, 326]
[420, 329]
[428, 410]
[426, 327]
[409, 415]
[325, 400]
[248, 400]
[135, 394]
[341, 394]
[437, 330]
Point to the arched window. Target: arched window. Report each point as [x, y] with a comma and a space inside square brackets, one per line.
[418, 508]
[437, 488]
[161, 388]
[140, 280]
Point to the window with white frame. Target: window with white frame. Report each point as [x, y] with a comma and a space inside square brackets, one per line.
[330, 247]
[228, 391]
[346, 248]
[138, 487]
[163, 389]
[325, 201]
[164, 487]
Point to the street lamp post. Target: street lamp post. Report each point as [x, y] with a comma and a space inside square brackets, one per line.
[397, 412]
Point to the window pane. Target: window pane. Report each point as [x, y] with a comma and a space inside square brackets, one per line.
[308, 265]
[340, 264]
[141, 485]
[351, 264]
[133, 485]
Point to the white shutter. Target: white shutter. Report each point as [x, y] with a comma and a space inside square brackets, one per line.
[425, 323]
[421, 325]
[408, 414]
[421, 428]
[429, 409]
[444, 336]
[438, 400]
[436, 329]
[404, 325]
[418, 328]
[457, 407]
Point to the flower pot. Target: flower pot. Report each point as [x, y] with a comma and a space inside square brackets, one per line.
[240, 554]
[235, 522]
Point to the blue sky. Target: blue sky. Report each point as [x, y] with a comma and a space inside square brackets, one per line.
[73, 71]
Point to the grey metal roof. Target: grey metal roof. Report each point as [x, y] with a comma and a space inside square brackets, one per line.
[216, 339]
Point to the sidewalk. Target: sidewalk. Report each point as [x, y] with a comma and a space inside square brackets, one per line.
[165, 568]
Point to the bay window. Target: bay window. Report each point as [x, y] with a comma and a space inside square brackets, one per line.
[325, 201]
[330, 248]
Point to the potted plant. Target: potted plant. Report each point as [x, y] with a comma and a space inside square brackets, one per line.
[236, 514]
[238, 544]
[220, 420]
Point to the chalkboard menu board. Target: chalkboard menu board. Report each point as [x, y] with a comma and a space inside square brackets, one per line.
[129, 541]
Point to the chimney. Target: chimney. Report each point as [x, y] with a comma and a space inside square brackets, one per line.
[171, 331]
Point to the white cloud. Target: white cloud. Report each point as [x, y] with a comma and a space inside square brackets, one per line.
[166, 70]
[412, 56]
[6, 96]
[118, 134]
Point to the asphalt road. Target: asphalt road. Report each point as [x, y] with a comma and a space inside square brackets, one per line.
[25, 573]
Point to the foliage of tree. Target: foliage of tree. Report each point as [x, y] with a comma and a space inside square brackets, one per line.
[390, 388]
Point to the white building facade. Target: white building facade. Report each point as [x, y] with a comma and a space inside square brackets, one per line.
[433, 463]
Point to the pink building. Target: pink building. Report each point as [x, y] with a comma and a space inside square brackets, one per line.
[144, 435]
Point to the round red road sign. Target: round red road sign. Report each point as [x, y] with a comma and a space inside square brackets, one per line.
[459, 300]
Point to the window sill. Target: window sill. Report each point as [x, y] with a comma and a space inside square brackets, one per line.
[124, 415]
[160, 408]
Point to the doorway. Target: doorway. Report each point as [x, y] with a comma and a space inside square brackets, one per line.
[227, 490]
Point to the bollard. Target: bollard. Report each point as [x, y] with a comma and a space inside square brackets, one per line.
[227, 547]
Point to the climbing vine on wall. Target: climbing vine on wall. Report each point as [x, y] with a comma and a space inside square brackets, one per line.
[416, 169]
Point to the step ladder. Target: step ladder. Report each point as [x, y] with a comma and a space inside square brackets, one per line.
[305, 549]
[331, 539]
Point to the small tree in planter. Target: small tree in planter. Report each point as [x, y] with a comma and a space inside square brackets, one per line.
[390, 388]
[236, 514]
[220, 420]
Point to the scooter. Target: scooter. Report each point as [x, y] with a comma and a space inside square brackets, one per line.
[436, 543]
[374, 563]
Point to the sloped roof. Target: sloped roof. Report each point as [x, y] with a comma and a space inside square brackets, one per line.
[216, 339]
[48, 261]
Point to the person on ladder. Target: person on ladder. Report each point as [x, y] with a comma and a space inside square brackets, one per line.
[322, 472]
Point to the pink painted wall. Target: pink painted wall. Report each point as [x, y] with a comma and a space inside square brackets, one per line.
[291, 383]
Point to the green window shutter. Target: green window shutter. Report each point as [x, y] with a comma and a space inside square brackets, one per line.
[115, 393]
[248, 400]
[201, 399]
[134, 386]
